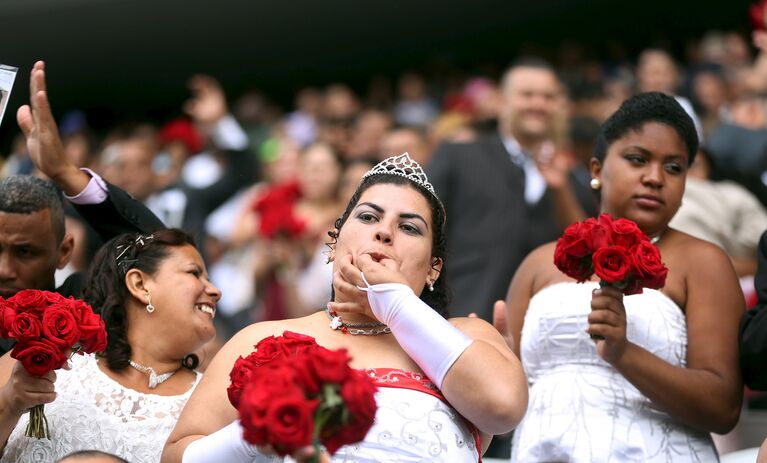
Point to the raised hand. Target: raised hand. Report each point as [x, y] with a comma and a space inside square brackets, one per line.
[43, 141]
[608, 320]
[208, 103]
[23, 391]
[500, 323]
[348, 279]
[553, 165]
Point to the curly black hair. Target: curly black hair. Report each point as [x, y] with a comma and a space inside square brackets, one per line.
[106, 292]
[440, 297]
[641, 109]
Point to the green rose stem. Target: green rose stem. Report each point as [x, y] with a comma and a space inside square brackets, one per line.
[331, 404]
[38, 423]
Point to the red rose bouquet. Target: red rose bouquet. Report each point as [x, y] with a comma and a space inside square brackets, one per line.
[48, 328]
[291, 393]
[615, 249]
[275, 208]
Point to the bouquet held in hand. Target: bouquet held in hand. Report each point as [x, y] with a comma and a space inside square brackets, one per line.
[48, 328]
[292, 393]
[616, 250]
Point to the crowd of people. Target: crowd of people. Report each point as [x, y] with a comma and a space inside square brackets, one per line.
[426, 216]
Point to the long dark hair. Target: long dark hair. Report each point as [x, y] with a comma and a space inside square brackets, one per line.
[105, 288]
[440, 297]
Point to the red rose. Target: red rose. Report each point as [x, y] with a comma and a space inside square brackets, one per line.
[7, 315]
[88, 321]
[39, 357]
[97, 340]
[291, 421]
[305, 373]
[239, 378]
[612, 264]
[330, 366]
[31, 300]
[626, 233]
[252, 406]
[358, 392]
[648, 266]
[571, 255]
[60, 326]
[25, 326]
[295, 343]
[267, 350]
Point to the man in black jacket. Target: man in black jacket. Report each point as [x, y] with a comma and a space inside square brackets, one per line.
[753, 328]
[33, 239]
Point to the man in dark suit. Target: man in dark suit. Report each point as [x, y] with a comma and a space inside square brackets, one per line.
[508, 193]
[33, 239]
[753, 328]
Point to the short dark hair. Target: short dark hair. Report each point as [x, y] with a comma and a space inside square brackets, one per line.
[439, 298]
[93, 453]
[105, 288]
[25, 194]
[640, 109]
[528, 62]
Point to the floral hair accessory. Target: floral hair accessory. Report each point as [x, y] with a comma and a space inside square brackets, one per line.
[124, 263]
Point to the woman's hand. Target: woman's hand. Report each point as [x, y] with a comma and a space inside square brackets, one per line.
[348, 279]
[23, 391]
[301, 455]
[608, 320]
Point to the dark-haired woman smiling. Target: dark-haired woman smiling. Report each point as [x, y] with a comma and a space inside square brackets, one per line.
[154, 295]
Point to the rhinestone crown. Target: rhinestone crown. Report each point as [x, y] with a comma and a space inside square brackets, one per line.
[404, 166]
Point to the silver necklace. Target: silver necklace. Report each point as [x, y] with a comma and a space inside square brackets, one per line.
[366, 329]
[154, 379]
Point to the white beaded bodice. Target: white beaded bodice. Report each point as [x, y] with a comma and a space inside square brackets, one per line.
[94, 412]
[583, 410]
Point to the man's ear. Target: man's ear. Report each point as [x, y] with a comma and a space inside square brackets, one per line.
[66, 248]
[137, 283]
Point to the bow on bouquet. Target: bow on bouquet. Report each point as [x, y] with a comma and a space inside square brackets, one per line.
[291, 393]
[616, 250]
[48, 328]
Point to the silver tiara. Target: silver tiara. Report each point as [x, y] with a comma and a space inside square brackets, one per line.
[404, 166]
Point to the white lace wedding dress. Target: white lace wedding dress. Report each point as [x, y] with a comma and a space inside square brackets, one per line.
[94, 412]
[581, 409]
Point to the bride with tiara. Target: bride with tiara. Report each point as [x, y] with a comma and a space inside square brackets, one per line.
[664, 373]
[436, 400]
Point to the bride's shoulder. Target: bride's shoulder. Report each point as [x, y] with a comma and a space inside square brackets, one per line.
[249, 336]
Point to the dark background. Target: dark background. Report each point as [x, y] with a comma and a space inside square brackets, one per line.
[122, 59]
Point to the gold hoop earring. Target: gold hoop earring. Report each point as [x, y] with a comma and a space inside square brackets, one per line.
[595, 184]
[149, 306]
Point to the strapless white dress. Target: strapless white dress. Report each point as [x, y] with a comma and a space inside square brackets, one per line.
[413, 423]
[581, 409]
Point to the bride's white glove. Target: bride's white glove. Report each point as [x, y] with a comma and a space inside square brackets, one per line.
[227, 445]
[430, 340]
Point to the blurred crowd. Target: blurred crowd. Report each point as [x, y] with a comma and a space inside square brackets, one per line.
[260, 186]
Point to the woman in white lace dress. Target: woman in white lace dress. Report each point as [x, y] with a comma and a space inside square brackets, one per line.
[155, 298]
[445, 385]
[666, 373]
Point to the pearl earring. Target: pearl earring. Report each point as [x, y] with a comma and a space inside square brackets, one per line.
[595, 184]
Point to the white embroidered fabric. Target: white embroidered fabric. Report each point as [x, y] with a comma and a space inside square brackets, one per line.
[412, 426]
[583, 410]
[94, 412]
